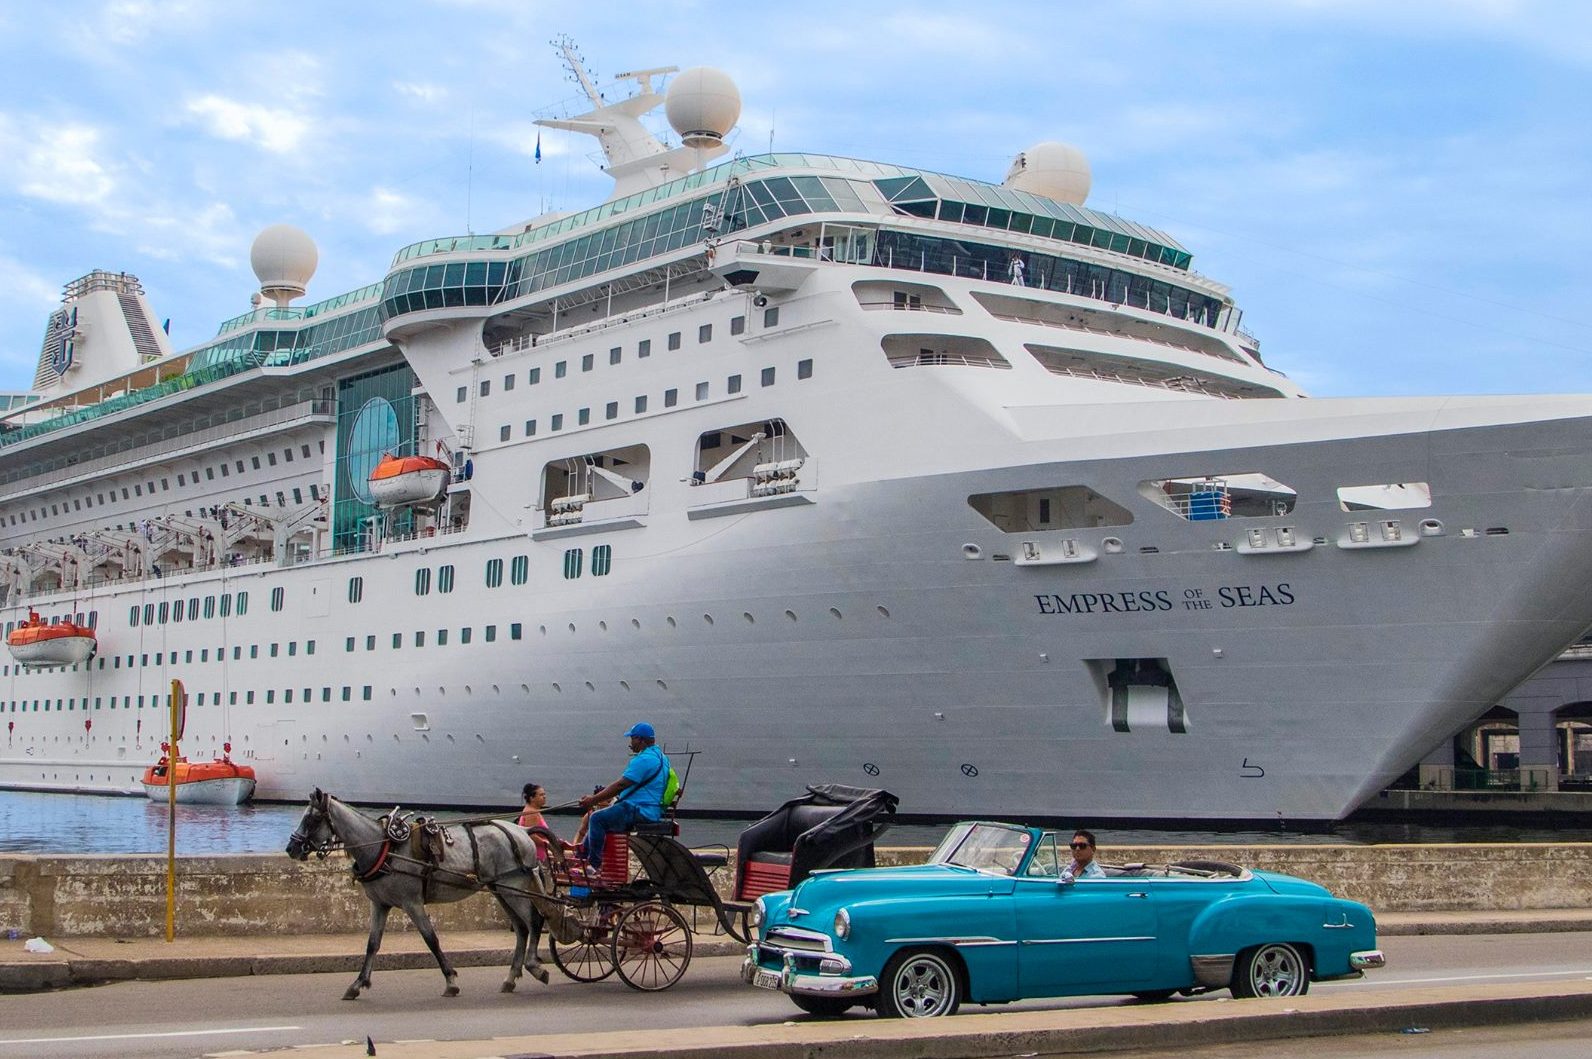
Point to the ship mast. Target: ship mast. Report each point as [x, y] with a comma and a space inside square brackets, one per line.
[635, 158]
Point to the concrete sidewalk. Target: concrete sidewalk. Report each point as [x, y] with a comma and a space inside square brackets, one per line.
[92, 961]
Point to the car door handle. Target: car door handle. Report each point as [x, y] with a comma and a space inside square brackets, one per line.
[1139, 894]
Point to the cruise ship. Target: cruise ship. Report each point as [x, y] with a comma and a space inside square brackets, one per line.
[833, 470]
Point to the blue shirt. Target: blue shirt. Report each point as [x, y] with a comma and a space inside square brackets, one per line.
[1092, 870]
[649, 771]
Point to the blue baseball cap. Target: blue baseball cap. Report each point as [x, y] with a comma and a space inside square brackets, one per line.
[641, 729]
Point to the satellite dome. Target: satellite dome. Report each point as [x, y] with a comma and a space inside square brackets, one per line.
[284, 259]
[703, 105]
[1055, 170]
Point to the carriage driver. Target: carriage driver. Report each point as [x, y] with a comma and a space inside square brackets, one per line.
[637, 794]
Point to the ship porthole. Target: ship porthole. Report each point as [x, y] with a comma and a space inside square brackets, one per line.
[1112, 545]
[1431, 527]
[972, 551]
[708, 618]
[791, 614]
[748, 616]
[883, 612]
[834, 613]
[663, 686]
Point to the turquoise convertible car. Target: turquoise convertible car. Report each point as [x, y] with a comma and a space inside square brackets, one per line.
[993, 917]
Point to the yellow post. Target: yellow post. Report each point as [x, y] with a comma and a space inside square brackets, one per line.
[178, 716]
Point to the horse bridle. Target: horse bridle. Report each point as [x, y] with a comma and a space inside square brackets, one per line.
[323, 848]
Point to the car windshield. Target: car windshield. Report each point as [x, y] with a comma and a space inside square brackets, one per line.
[985, 847]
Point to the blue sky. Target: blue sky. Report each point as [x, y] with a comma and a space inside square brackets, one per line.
[1397, 192]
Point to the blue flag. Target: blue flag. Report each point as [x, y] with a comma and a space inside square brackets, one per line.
[538, 146]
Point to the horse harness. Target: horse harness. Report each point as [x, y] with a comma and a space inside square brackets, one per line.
[425, 843]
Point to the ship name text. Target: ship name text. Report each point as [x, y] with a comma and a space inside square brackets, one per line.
[1161, 599]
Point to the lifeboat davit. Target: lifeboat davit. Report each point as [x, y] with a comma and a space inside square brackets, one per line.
[37, 642]
[400, 480]
[218, 782]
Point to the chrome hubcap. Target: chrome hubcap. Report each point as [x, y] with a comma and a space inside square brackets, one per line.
[923, 987]
[1276, 970]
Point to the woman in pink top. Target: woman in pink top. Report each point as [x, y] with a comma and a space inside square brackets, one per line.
[531, 817]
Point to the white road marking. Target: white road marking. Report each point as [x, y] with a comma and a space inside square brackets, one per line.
[1459, 978]
[147, 1036]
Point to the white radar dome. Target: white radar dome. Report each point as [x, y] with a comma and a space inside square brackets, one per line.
[703, 105]
[284, 259]
[1055, 170]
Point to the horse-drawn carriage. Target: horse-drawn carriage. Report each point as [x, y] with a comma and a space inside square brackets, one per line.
[602, 919]
[633, 924]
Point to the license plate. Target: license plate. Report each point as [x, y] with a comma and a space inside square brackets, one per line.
[766, 979]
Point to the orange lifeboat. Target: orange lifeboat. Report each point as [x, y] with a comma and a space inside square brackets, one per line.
[400, 480]
[37, 642]
[218, 782]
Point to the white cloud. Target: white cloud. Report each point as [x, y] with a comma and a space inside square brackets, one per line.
[131, 21]
[56, 162]
[27, 288]
[389, 211]
[425, 92]
[271, 129]
[209, 233]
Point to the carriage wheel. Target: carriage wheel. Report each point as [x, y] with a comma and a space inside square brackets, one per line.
[591, 959]
[652, 947]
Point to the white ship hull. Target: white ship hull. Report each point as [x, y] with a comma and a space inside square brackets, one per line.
[893, 660]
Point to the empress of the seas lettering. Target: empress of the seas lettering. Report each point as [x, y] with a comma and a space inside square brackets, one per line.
[1161, 599]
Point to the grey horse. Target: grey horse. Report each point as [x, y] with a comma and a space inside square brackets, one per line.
[495, 856]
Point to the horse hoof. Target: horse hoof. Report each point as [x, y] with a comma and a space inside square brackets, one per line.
[452, 990]
[352, 994]
[541, 975]
[507, 987]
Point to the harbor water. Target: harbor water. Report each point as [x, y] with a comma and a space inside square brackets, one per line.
[69, 823]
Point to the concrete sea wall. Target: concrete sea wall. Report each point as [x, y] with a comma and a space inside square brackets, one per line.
[125, 896]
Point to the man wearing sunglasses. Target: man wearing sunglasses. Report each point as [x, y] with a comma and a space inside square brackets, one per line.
[1083, 863]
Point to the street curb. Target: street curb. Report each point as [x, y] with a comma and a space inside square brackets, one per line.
[1543, 925]
[32, 976]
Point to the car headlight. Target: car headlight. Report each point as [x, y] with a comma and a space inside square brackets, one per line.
[755, 917]
[842, 924]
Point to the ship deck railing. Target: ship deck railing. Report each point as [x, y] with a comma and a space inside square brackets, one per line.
[175, 437]
[1016, 318]
[945, 310]
[534, 340]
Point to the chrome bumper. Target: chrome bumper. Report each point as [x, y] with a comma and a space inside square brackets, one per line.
[834, 979]
[1361, 961]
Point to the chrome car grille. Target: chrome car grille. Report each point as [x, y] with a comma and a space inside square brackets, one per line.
[796, 940]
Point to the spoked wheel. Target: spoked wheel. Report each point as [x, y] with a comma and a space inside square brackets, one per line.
[1271, 970]
[591, 959]
[652, 947]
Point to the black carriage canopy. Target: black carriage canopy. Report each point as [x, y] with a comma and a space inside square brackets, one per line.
[831, 826]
